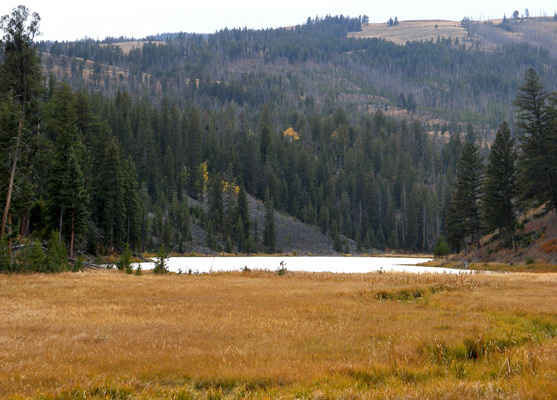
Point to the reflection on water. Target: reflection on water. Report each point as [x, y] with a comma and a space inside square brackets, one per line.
[308, 264]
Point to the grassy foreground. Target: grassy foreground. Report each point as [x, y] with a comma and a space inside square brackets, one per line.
[107, 335]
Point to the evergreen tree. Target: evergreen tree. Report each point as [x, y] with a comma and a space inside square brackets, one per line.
[75, 199]
[132, 203]
[20, 80]
[216, 205]
[161, 266]
[110, 207]
[463, 215]
[56, 256]
[269, 233]
[68, 200]
[265, 132]
[195, 177]
[500, 187]
[441, 248]
[243, 210]
[537, 162]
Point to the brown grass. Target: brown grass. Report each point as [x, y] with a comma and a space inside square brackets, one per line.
[408, 31]
[257, 335]
[136, 44]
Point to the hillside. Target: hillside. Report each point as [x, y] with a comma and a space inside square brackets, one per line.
[409, 31]
[536, 243]
[354, 141]
[292, 235]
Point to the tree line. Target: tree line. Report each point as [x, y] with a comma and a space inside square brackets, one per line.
[515, 178]
[97, 171]
[104, 171]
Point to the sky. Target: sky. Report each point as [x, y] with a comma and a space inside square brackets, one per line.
[98, 19]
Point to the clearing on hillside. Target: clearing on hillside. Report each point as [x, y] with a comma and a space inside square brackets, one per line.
[408, 31]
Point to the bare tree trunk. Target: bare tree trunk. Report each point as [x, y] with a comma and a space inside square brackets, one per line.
[12, 177]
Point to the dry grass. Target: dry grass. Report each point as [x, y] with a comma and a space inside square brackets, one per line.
[408, 31]
[136, 44]
[108, 335]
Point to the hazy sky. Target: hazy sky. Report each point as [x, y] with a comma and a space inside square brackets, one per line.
[97, 19]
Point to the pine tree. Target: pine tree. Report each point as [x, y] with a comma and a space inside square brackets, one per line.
[216, 205]
[243, 212]
[109, 203]
[132, 203]
[56, 256]
[269, 233]
[500, 184]
[68, 200]
[75, 199]
[195, 177]
[463, 215]
[265, 132]
[537, 161]
[20, 79]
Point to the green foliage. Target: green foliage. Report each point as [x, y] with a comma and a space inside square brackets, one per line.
[463, 214]
[21, 88]
[269, 233]
[216, 205]
[211, 241]
[160, 262]
[56, 255]
[529, 260]
[537, 122]
[124, 262]
[123, 164]
[499, 186]
[34, 258]
[442, 248]
[6, 263]
[281, 271]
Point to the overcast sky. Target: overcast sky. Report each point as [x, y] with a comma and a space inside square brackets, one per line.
[97, 19]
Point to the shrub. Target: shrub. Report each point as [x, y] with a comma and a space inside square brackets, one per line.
[78, 265]
[529, 260]
[124, 263]
[442, 248]
[6, 264]
[56, 256]
[282, 269]
[160, 263]
[33, 258]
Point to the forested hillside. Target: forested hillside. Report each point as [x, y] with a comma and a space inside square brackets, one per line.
[152, 145]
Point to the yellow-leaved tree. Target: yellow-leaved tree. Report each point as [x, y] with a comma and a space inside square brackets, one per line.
[291, 133]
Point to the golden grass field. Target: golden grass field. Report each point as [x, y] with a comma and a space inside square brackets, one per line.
[108, 335]
[134, 44]
[408, 31]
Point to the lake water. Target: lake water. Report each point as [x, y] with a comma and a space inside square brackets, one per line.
[308, 264]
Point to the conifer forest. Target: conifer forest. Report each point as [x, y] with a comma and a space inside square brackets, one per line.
[378, 146]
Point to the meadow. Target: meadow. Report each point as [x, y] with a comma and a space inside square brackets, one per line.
[255, 334]
[413, 31]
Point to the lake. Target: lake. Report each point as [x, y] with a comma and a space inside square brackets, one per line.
[308, 264]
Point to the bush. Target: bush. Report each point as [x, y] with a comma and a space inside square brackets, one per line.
[34, 258]
[160, 263]
[282, 269]
[56, 256]
[6, 264]
[78, 265]
[124, 263]
[442, 248]
[529, 260]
